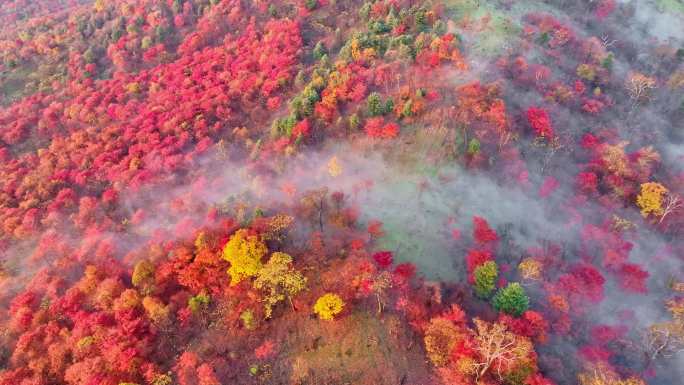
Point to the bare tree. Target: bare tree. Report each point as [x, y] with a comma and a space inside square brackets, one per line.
[671, 204]
[664, 339]
[639, 87]
[497, 347]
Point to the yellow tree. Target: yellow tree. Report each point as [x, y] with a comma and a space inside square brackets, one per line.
[441, 335]
[280, 280]
[143, 276]
[244, 252]
[328, 306]
[334, 167]
[155, 309]
[650, 199]
[530, 269]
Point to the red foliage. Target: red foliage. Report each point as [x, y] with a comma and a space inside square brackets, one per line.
[475, 258]
[377, 128]
[594, 354]
[587, 182]
[384, 259]
[265, 350]
[403, 272]
[604, 9]
[540, 122]
[482, 233]
[302, 128]
[538, 379]
[375, 229]
[548, 187]
[583, 282]
[531, 324]
[593, 106]
[633, 278]
[603, 334]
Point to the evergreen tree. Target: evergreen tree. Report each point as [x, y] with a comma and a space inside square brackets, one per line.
[511, 300]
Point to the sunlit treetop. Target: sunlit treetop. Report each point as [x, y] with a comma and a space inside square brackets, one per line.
[280, 280]
[244, 252]
[650, 199]
[328, 306]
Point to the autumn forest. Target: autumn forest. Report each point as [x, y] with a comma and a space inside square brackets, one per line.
[341, 192]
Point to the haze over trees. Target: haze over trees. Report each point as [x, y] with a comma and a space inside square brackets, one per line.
[209, 192]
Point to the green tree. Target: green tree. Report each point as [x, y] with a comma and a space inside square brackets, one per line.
[407, 111]
[280, 281]
[473, 146]
[511, 300]
[354, 122]
[365, 9]
[420, 18]
[389, 106]
[485, 279]
[146, 42]
[248, 321]
[374, 104]
[198, 302]
[319, 50]
[311, 4]
[143, 276]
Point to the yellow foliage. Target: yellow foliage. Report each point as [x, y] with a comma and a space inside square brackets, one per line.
[587, 72]
[369, 53]
[334, 167]
[530, 269]
[467, 366]
[615, 158]
[134, 164]
[647, 157]
[678, 286]
[162, 379]
[676, 308]
[155, 309]
[676, 80]
[244, 252]
[201, 241]
[108, 290]
[355, 49]
[143, 273]
[665, 339]
[650, 200]
[639, 86]
[441, 336]
[499, 349]
[280, 279]
[85, 342]
[129, 299]
[605, 376]
[90, 280]
[559, 303]
[99, 5]
[330, 100]
[328, 306]
[133, 88]
[248, 321]
[621, 224]
[277, 227]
